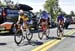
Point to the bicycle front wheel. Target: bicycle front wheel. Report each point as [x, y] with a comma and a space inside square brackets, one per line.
[60, 33]
[29, 35]
[40, 35]
[47, 33]
[18, 36]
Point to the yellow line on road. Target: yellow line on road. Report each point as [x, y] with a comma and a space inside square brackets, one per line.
[42, 46]
[56, 42]
[49, 44]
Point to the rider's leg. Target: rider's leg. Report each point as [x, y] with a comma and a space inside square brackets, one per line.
[18, 26]
[25, 27]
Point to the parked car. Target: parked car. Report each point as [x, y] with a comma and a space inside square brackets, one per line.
[6, 27]
[10, 19]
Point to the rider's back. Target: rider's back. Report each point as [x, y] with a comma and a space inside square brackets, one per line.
[60, 17]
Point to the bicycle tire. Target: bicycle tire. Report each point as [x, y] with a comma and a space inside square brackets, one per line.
[58, 32]
[29, 34]
[17, 34]
[47, 33]
[40, 35]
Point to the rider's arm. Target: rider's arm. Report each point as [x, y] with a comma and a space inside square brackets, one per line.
[18, 20]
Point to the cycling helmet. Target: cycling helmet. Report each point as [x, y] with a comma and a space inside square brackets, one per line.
[21, 12]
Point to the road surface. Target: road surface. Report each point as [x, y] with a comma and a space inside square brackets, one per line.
[66, 44]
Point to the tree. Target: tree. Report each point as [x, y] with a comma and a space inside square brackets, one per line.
[52, 7]
[2, 4]
[8, 2]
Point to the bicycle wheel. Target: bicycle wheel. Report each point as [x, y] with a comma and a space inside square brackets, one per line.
[62, 33]
[58, 33]
[40, 32]
[40, 35]
[47, 33]
[18, 36]
[29, 35]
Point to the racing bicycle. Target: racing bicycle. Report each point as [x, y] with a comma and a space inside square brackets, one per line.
[44, 29]
[22, 33]
[60, 30]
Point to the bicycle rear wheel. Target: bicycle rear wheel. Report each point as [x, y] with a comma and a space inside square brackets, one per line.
[62, 30]
[58, 34]
[18, 36]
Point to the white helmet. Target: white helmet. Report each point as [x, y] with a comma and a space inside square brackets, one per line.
[21, 11]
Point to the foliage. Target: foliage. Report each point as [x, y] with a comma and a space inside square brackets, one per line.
[52, 7]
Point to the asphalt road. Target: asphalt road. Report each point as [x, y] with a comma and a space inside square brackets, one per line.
[67, 44]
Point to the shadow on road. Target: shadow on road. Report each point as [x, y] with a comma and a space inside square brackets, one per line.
[7, 34]
[36, 42]
[54, 38]
[32, 42]
[70, 28]
[2, 44]
[71, 36]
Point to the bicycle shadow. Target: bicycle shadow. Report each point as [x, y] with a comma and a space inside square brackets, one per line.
[2, 44]
[37, 42]
[71, 36]
[32, 42]
[51, 38]
[6, 34]
[69, 28]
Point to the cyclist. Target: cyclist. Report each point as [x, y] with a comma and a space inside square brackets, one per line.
[22, 19]
[44, 19]
[60, 20]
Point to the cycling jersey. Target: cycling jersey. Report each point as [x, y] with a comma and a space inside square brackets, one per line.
[60, 17]
[24, 18]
